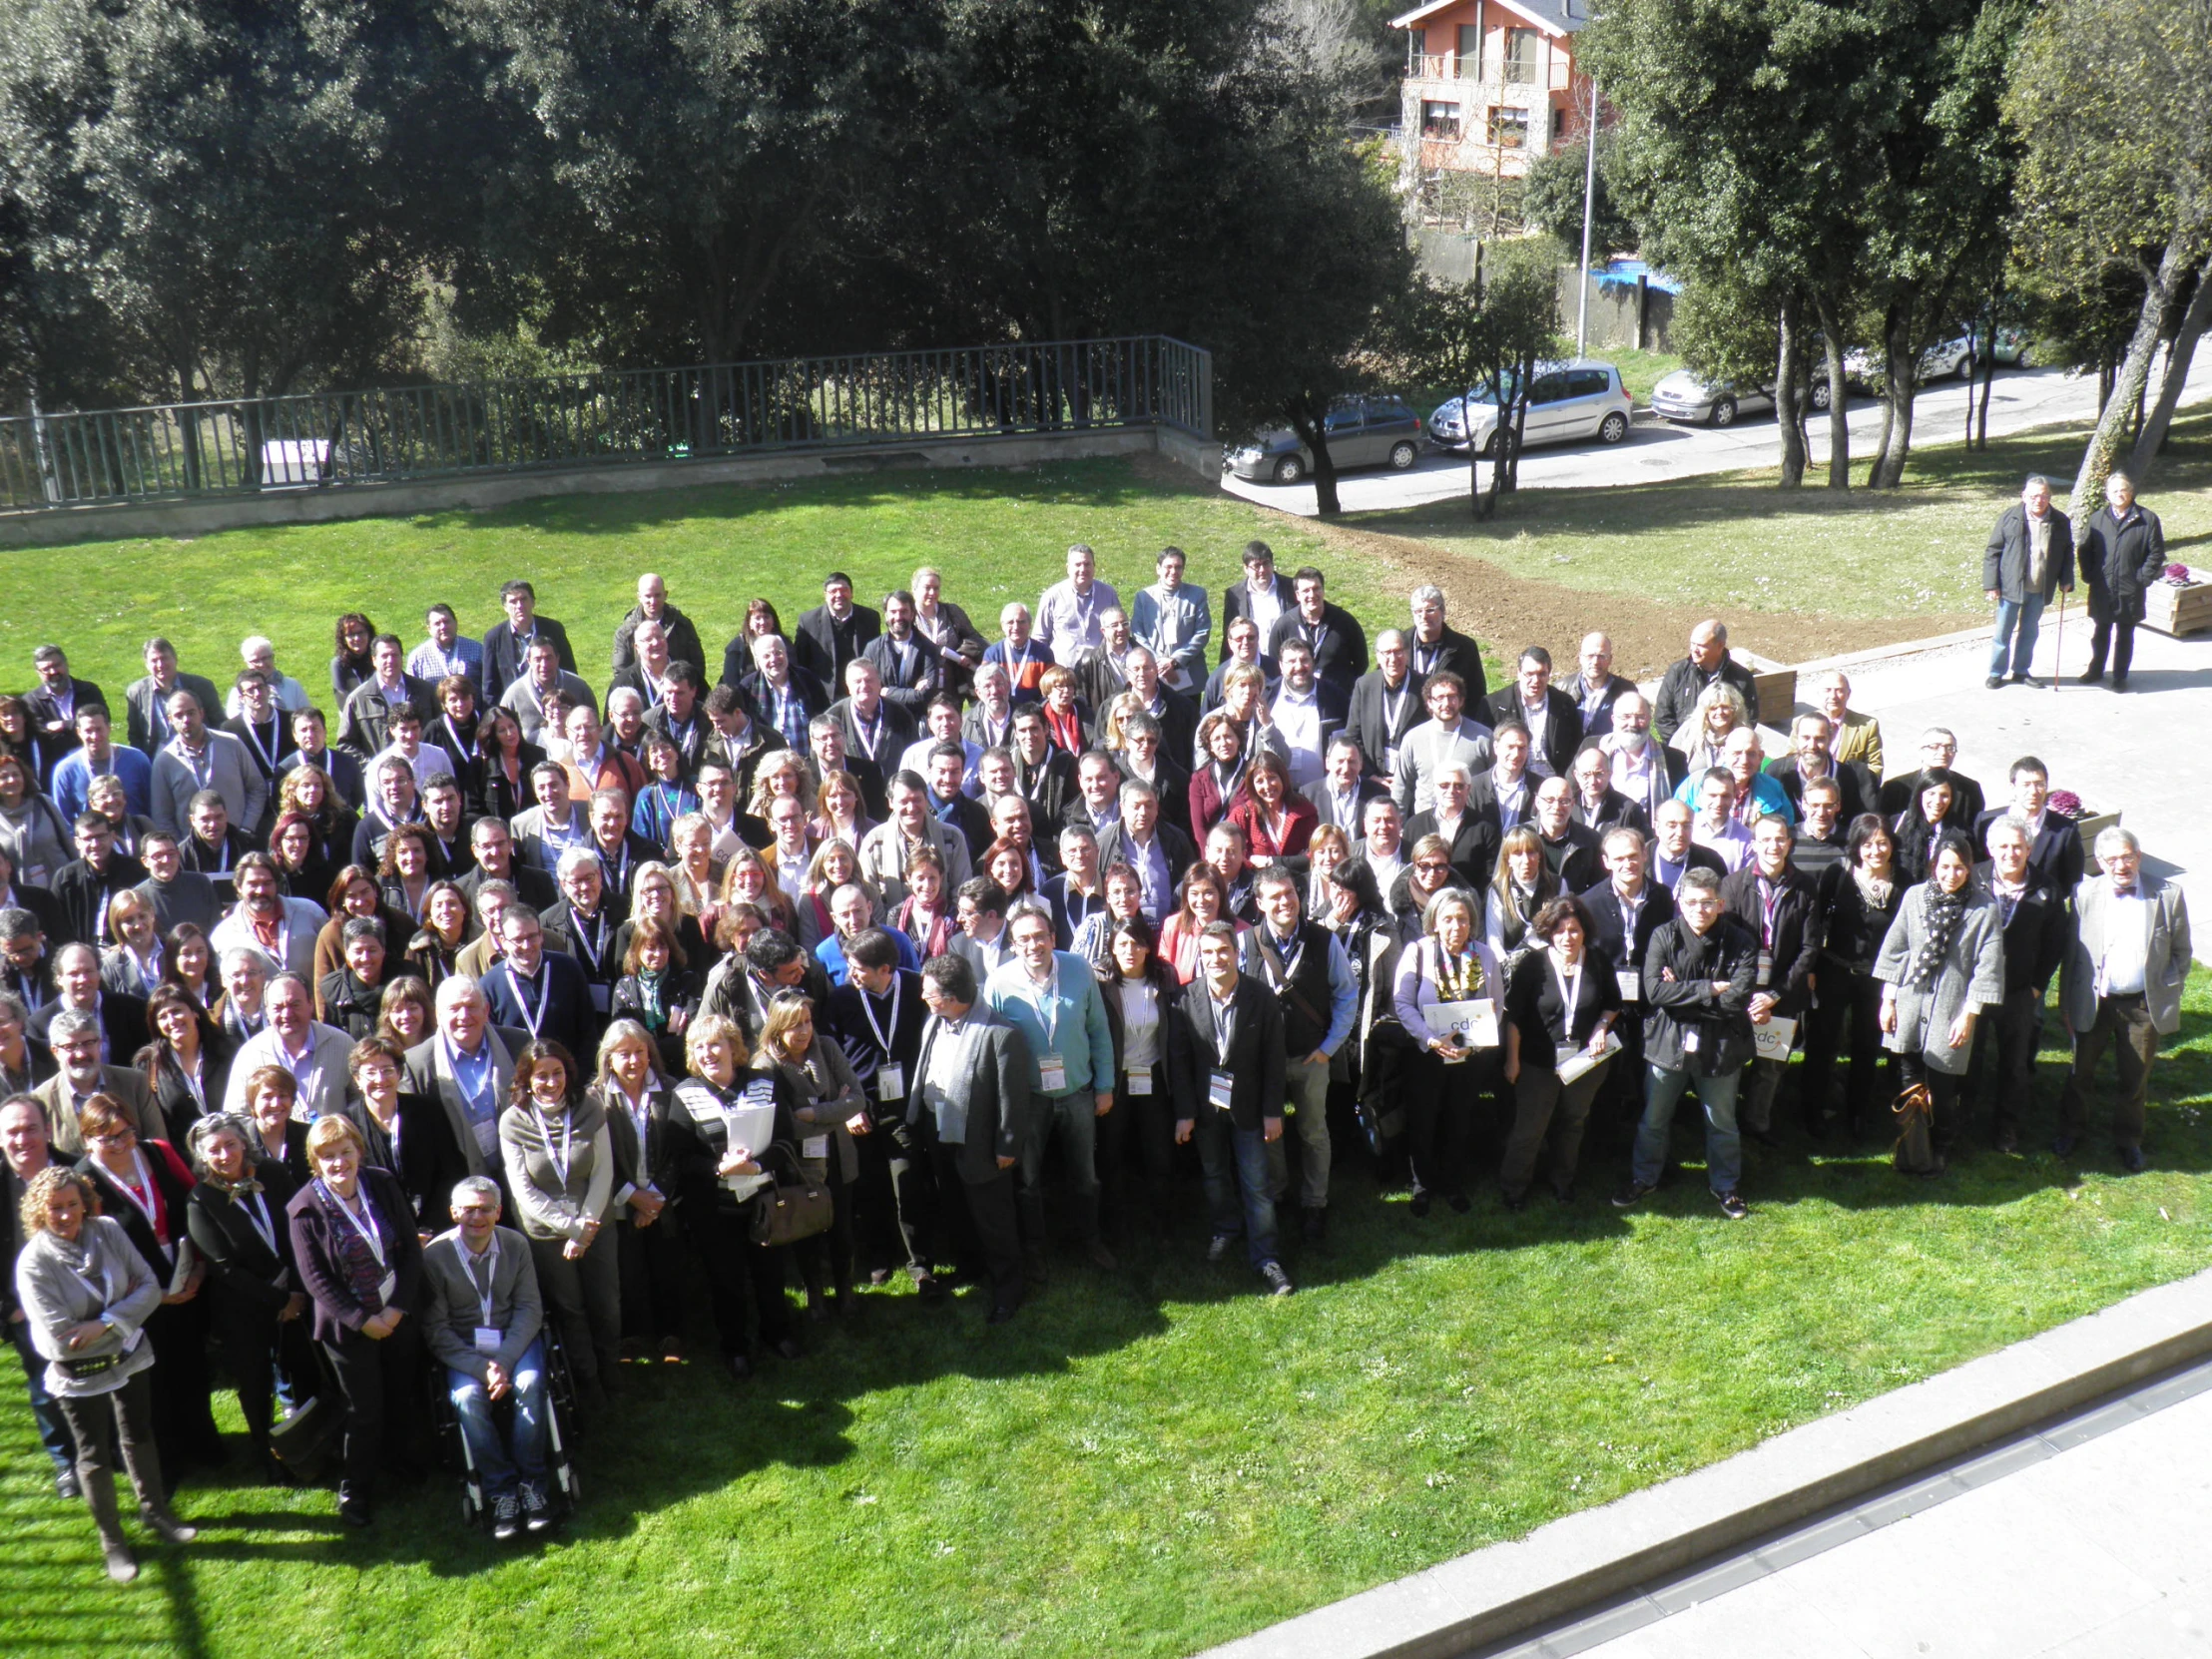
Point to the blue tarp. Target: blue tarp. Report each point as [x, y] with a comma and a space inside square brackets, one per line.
[1624, 273]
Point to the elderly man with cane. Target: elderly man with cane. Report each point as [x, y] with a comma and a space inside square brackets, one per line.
[2029, 557]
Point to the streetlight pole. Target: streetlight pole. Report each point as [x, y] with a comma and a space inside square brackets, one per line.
[1589, 206]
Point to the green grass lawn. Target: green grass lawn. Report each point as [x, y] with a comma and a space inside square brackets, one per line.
[1734, 543]
[1153, 1461]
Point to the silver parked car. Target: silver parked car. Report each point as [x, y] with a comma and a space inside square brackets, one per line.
[1567, 401]
[1944, 361]
[1362, 431]
[1683, 397]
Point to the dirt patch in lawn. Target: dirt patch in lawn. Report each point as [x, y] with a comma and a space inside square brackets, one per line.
[1506, 612]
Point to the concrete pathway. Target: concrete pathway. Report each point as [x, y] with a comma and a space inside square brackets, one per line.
[2083, 1542]
[2146, 754]
[1656, 450]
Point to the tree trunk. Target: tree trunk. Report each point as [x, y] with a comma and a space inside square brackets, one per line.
[2118, 412]
[1900, 366]
[1839, 430]
[2179, 353]
[1789, 419]
[1979, 420]
[1312, 430]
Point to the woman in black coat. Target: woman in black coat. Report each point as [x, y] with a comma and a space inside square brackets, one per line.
[2124, 551]
[408, 1135]
[1859, 899]
[353, 1243]
[1936, 810]
[188, 1064]
[144, 1185]
[236, 1220]
[1562, 1001]
[1143, 1000]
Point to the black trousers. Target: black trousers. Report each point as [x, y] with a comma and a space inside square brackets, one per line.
[1848, 1019]
[2123, 1025]
[46, 1410]
[2005, 1049]
[1441, 1102]
[1942, 1094]
[2116, 636]
[740, 1272]
[827, 1258]
[652, 1271]
[382, 1382]
[255, 1346]
[184, 1417]
[979, 1226]
[890, 1202]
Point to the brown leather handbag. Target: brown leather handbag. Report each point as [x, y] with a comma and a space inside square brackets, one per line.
[1916, 1153]
[787, 1211]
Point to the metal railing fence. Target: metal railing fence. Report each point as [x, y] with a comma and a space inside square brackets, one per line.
[601, 418]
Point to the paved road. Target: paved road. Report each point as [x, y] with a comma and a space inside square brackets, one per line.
[2077, 1544]
[2019, 399]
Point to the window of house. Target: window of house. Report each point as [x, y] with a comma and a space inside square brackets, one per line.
[1520, 55]
[1416, 48]
[1470, 51]
[1559, 120]
[1439, 120]
[1509, 127]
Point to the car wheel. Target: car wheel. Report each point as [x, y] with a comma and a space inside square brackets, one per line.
[1823, 393]
[1964, 370]
[1724, 412]
[1612, 428]
[2021, 361]
[1491, 444]
[1404, 455]
[1289, 470]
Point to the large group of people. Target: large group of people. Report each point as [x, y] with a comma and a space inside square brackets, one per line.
[344, 1038]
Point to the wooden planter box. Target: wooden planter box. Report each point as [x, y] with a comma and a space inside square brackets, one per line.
[2088, 829]
[2179, 610]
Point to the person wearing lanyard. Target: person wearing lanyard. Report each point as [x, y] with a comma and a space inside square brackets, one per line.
[1152, 1078]
[483, 1321]
[1017, 654]
[144, 1185]
[1561, 1004]
[236, 1217]
[1050, 997]
[544, 992]
[876, 1018]
[874, 726]
[1771, 895]
[560, 1167]
[357, 1252]
[632, 1092]
[1450, 966]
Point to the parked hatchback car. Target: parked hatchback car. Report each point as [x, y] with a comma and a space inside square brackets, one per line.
[1362, 431]
[1942, 361]
[1683, 397]
[1567, 401]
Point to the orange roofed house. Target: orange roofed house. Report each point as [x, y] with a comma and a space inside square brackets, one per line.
[1490, 84]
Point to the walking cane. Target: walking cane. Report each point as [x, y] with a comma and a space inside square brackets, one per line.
[2058, 644]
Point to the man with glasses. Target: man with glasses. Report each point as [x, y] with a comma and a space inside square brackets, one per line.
[75, 1039]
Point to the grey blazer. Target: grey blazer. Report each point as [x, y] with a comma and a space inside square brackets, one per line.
[429, 1073]
[2165, 960]
[54, 1282]
[992, 1081]
[232, 774]
[453, 1307]
[1972, 976]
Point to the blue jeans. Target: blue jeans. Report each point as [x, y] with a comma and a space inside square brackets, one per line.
[1239, 1183]
[503, 1465]
[2027, 614]
[1724, 1148]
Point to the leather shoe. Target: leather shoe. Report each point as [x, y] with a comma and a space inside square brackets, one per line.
[65, 1484]
[2132, 1160]
[1420, 1204]
[167, 1526]
[2119, 682]
[1218, 1247]
[353, 1504]
[2063, 1144]
[927, 1287]
[1315, 1224]
[1993, 682]
[2090, 677]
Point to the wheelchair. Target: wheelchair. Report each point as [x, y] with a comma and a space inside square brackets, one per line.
[565, 1487]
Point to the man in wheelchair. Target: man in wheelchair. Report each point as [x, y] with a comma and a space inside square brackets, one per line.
[483, 1322]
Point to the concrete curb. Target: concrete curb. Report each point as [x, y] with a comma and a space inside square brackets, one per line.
[1586, 1559]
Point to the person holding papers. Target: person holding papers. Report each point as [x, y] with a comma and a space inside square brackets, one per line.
[1449, 994]
[1562, 1006]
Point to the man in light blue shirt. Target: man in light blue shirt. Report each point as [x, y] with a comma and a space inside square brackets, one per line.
[1175, 621]
[1051, 998]
[447, 650]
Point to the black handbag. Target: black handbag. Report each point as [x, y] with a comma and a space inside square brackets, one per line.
[307, 1440]
[787, 1211]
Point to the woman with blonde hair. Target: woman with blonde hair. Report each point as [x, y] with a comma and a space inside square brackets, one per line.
[782, 771]
[86, 1296]
[746, 879]
[830, 1109]
[1720, 709]
[634, 1091]
[1520, 886]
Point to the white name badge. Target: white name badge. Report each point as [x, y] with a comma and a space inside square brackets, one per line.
[1475, 1022]
[1766, 967]
[1140, 1081]
[1631, 983]
[488, 1338]
[815, 1146]
[1221, 1088]
[387, 1287]
[1052, 1074]
[1689, 1039]
[1774, 1038]
[891, 1082]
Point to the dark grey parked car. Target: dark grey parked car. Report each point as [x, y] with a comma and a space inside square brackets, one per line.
[1363, 432]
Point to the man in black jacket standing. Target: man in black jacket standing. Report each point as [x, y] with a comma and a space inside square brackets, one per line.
[1779, 902]
[2029, 557]
[877, 1016]
[1685, 680]
[970, 1107]
[1237, 1045]
[2124, 550]
[2037, 932]
[1698, 985]
[507, 646]
[834, 631]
